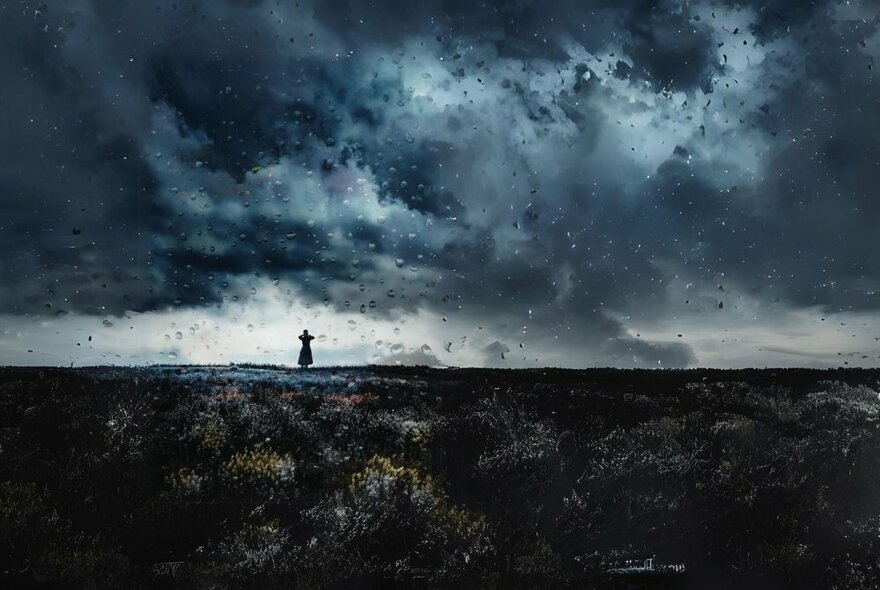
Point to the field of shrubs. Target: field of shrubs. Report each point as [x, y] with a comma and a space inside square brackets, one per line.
[383, 477]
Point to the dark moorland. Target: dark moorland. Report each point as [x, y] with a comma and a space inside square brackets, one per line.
[383, 477]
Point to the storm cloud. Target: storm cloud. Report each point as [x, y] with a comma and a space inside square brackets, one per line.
[551, 179]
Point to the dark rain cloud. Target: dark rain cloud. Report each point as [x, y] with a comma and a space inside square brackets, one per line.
[478, 160]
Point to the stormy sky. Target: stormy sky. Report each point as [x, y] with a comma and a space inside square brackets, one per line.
[569, 183]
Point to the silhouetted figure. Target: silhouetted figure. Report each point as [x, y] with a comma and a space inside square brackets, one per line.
[305, 355]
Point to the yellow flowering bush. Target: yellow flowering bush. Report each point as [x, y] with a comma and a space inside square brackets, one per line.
[380, 476]
[210, 437]
[259, 466]
[186, 481]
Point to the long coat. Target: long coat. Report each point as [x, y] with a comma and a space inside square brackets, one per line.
[305, 355]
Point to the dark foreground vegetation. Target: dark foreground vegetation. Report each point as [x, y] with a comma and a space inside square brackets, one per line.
[223, 477]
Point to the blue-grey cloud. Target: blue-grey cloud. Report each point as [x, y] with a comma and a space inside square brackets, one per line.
[545, 170]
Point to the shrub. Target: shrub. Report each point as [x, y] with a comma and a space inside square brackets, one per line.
[520, 449]
[393, 521]
[258, 467]
[255, 550]
[185, 481]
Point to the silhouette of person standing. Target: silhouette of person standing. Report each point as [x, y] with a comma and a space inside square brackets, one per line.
[305, 355]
